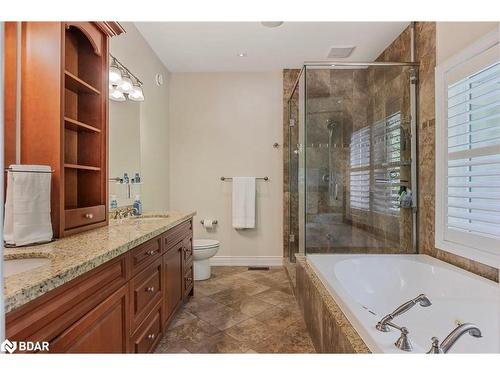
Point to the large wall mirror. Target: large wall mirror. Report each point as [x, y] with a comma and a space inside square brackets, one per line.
[124, 151]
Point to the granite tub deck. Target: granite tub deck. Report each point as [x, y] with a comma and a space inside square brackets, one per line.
[73, 256]
[329, 328]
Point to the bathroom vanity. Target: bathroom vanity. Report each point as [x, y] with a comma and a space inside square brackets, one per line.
[110, 290]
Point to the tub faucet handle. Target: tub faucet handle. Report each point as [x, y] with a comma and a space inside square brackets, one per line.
[404, 342]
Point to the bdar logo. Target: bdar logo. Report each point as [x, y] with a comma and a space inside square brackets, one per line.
[8, 346]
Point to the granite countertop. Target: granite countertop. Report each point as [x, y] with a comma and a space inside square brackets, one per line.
[73, 256]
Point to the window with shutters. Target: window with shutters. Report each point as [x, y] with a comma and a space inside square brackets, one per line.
[468, 152]
[360, 169]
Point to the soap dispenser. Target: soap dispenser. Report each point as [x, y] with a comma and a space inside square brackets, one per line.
[138, 205]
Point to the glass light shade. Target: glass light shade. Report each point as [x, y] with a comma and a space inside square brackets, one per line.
[126, 86]
[115, 75]
[116, 95]
[137, 95]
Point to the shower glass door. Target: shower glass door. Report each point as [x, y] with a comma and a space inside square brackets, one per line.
[351, 165]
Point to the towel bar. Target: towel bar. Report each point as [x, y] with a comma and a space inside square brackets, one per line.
[257, 178]
[27, 171]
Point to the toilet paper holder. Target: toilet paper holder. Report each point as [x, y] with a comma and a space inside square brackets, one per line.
[203, 222]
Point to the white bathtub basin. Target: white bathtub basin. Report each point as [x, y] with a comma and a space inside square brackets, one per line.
[367, 287]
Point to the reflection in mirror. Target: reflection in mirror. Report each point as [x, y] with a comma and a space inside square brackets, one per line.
[124, 150]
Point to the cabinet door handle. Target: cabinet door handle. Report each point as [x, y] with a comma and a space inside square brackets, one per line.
[89, 216]
[150, 289]
[151, 336]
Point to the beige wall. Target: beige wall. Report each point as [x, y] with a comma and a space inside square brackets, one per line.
[133, 51]
[452, 37]
[225, 124]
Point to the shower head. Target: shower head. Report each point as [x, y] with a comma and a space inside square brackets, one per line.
[423, 300]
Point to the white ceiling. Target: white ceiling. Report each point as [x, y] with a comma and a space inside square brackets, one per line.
[214, 46]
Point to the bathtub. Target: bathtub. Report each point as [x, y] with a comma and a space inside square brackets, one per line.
[368, 287]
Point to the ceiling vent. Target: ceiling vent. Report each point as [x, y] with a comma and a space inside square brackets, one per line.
[340, 52]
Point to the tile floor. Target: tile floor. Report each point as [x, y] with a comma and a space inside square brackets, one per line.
[239, 311]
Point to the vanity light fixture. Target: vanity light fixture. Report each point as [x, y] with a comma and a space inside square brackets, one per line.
[137, 95]
[115, 74]
[123, 84]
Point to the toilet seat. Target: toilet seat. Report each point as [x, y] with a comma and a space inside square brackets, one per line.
[205, 244]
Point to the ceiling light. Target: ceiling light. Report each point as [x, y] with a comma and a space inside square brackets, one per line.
[272, 24]
[340, 51]
[242, 54]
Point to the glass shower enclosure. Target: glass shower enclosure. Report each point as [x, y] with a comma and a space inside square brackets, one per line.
[352, 159]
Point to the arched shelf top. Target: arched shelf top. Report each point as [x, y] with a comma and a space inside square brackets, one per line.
[91, 33]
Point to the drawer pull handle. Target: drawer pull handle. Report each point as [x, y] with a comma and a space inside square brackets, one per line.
[150, 289]
[151, 252]
[151, 336]
[89, 216]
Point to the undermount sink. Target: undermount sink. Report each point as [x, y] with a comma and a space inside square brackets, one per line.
[19, 265]
[151, 217]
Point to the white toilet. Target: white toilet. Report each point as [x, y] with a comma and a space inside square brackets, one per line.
[203, 250]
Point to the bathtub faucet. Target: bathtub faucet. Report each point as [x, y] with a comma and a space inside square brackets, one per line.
[383, 325]
[453, 337]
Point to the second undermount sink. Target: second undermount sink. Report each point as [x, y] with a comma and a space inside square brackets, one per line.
[19, 265]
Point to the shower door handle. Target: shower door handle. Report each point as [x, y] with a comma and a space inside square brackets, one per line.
[336, 191]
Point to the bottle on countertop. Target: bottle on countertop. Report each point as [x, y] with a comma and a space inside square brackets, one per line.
[137, 178]
[125, 178]
[138, 205]
[114, 202]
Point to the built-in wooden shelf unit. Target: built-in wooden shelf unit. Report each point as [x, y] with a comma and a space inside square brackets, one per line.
[65, 116]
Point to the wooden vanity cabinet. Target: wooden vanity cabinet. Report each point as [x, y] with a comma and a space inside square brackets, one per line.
[122, 306]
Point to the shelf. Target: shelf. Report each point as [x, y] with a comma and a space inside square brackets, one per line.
[78, 85]
[84, 167]
[79, 126]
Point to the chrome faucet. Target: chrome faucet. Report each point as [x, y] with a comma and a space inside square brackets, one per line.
[384, 323]
[121, 213]
[453, 337]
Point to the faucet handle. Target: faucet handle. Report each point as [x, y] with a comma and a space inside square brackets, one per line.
[435, 348]
[404, 342]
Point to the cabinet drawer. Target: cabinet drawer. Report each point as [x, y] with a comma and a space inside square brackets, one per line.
[149, 333]
[188, 279]
[78, 217]
[146, 291]
[145, 254]
[174, 235]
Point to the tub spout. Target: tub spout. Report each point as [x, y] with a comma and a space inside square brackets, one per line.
[453, 337]
[421, 299]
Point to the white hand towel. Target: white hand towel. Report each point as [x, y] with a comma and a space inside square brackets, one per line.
[243, 202]
[27, 216]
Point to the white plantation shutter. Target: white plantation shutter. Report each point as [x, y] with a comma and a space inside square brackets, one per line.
[468, 152]
[360, 169]
[474, 153]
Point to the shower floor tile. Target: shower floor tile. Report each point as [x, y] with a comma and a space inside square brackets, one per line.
[239, 311]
